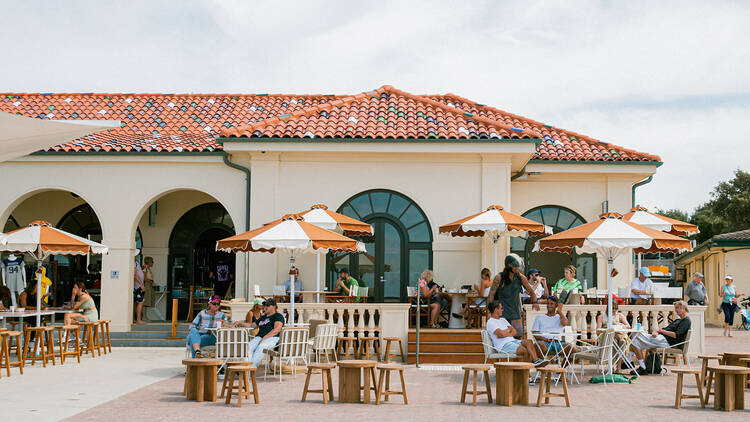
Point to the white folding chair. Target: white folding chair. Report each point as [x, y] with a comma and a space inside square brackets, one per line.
[324, 341]
[291, 348]
[232, 344]
[599, 354]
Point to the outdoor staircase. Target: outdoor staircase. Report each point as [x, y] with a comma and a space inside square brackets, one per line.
[446, 346]
[150, 335]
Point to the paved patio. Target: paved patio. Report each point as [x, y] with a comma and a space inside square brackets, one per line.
[145, 384]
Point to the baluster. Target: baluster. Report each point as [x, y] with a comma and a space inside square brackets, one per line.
[371, 322]
[350, 322]
[340, 323]
[572, 319]
[361, 322]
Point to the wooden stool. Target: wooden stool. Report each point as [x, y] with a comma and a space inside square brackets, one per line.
[729, 392]
[5, 337]
[200, 378]
[474, 369]
[43, 340]
[384, 372]
[90, 335]
[544, 387]
[101, 337]
[365, 343]
[679, 396]
[351, 383]
[387, 352]
[512, 383]
[344, 344]
[226, 376]
[68, 332]
[106, 341]
[325, 373]
[240, 373]
[705, 361]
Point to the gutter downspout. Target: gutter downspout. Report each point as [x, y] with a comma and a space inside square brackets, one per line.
[225, 157]
[639, 184]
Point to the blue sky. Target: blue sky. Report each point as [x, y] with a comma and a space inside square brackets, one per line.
[669, 78]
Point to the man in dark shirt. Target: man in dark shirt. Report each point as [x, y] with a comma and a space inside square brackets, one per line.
[269, 326]
[674, 334]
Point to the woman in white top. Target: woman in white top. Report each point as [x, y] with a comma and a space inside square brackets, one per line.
[485, 283]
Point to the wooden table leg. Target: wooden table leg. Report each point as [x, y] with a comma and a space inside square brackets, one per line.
[729, 392]
[200, 380]
[739, 391]
[704, 369]
[366, 390]
[211, 381]
[504, 386]
[718, 390]
[349, 384]
[521, 386]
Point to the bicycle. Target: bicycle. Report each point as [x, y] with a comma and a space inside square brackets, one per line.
[744, 323]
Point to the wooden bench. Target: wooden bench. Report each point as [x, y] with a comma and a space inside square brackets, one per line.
[546, 384]
[729, 392]
[387, 352]
[201, 379]
[5, 338]
[474, 370]
[245, 375]
[512, 383]
[327, 381]
[679, 395]
[384, 374]
[351, 382]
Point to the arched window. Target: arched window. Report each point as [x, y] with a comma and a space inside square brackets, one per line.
[399, 251]
[551, 264]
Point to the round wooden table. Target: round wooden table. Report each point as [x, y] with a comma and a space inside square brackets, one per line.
[200, 379]
[729, 390]
[735, 359]
[512, 383]
[350, 380]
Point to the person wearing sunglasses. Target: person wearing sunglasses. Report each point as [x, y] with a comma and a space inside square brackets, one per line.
[269, 326]
[208, 318]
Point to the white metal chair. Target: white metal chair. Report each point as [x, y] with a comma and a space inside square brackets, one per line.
[232, 344]
[679, 349]
[324, 341]
[278, 290]
[291, 348]
[490, 352]
[599, 354]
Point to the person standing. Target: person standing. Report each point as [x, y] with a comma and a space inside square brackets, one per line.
[222, 278]
[148, 278]
[728, 303]
[641, 287]
[139, 289]
[695, 291]
[506, 289]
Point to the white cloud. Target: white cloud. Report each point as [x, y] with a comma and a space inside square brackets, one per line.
[618, 71]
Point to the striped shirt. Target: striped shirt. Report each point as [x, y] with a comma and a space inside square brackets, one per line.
[205, 320]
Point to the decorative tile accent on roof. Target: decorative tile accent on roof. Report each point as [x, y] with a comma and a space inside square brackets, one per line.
[557, 144]
[385, 113]
[191, 122]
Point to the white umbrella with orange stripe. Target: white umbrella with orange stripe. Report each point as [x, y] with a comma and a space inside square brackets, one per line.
[608, 237]
[494, 223]
[41, 240]
[290, 234]
[641, 215]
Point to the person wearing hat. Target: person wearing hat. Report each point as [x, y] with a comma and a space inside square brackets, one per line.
[506, 289]
[269, 326]
[345, 282]
[695, 291]
[539, 284]
[139, 289]
[211, 317]
[729, 303]
[641, 287]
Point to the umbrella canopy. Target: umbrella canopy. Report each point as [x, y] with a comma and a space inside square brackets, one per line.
[493, 223]
[642, 216]
[41, 240]
[20, 135]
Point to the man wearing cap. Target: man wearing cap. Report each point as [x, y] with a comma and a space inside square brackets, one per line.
[345, 282]
[207, 318]
[641, 287]
[695, 291]
[269, 326]
[538, 284]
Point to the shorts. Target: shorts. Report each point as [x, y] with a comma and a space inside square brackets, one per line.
[437, 299]
[80, 319]
[728, 309]
[511, 347]
[138, 295]
[481, 302]
[554, 345]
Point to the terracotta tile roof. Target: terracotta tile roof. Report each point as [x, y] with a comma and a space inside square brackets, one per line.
[740, 235]
[192, 122]
[383, 113]
[557, 144]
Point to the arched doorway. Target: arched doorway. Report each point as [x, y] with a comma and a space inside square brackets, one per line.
[551, 264]
[192, 251]
[399, 251]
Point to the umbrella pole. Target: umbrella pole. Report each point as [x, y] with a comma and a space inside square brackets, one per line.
[291, 292]
[419, 311]
[38, 292]
[494, 241]
[317, 274]
[610, 263]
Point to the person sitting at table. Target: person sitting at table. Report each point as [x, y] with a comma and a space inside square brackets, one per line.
[430, 289]
[484, 286]
[538, 284]
[297, 284]
[506, 289]
[552, 322]
[345, 282]
[81, 300]
[568, 283]
[602, 320]
[674, 333]
[27, 298]
[5, 298]
[207, 318]
[251, 317]
[641, 287]
[502, 334]
[269, 326]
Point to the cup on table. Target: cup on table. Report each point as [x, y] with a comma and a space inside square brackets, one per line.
[12, 308]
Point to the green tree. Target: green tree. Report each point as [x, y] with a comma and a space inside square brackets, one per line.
[728, 210]
[675, 213]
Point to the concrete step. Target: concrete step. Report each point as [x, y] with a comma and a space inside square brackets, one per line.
[146, 334]
[130, 342]
[158, 326]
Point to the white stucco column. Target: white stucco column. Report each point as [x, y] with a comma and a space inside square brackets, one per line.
[618, 199]
[117, 285]
[264, 207]
[495, 183]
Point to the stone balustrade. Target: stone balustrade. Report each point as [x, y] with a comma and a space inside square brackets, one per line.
[384, 319]
[582, 318]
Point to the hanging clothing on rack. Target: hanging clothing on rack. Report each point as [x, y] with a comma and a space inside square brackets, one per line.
[14, 275]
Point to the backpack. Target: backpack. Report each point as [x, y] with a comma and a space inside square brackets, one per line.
[653, 363]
